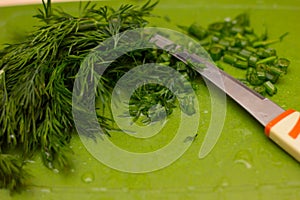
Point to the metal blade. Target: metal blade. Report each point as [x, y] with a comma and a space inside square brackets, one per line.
[258, 106]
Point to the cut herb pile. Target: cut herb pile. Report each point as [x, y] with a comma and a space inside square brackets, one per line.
[234, 42]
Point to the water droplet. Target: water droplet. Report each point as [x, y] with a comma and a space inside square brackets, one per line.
[45, 190]
[191, 188]
[88, 177]
[224, 183]
[103, 189]
[244, 157]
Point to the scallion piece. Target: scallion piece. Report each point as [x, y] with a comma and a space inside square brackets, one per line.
[215, 52]
[218, 26]
[283, 64]
[261, 75]
[252, 77]
[239, 57]
[272, 77]
[267, 60]
[270, 88]
[234, 49]
[276, 71]
[261, 67]
[260, 89]
[269, 52]
[229, 59]
[215, 39]
[198, 31]
[252, 61]
[251, 49]
[245, 53]
[237, 29]
[241, 64]
[225, 43]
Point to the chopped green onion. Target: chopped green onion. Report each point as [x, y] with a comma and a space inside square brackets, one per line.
[267, 60]
[229, 59]
[260, 89]
[262, 67]
[218, 26]
[283, 64]
[234, 49]
[237, 29]
[261, 75]
[224, 42]
[252, 77]
[197, 31]
[270, 88]
[241, 64]
[251, 49]
[268, 42]
[272, 77]
[275, 71]
[239, 57]
[215, 39]
[241, 42]
[215, 52]
[269, 52]
[252, 61]
[234, 43]
[245, 53]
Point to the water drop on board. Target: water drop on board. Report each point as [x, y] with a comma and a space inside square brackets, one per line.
[244, 157]
[88, 177]
[45, 190]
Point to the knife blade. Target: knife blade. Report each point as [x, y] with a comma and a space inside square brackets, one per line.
[282, 126]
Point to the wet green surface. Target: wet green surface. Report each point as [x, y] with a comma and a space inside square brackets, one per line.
[243, 164]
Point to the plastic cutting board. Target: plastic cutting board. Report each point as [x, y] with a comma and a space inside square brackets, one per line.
[244, 164]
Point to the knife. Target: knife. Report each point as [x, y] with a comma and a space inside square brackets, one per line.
[281, 126]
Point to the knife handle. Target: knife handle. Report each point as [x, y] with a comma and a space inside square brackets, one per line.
[285, 131]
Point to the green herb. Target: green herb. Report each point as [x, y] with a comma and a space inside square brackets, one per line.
[270, 88]
[235, 43]
[36, 83]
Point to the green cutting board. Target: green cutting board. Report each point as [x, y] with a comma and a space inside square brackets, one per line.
[244, 164]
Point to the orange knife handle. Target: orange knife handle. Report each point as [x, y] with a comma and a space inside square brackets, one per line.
[285, 130]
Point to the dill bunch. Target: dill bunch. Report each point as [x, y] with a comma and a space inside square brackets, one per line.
[36, 82]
